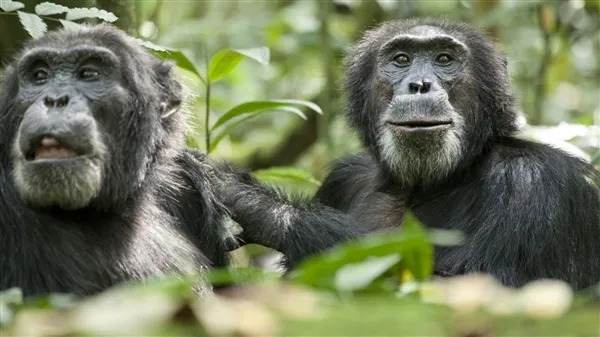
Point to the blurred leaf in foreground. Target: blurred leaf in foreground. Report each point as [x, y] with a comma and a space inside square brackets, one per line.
[409, 249]
[8, 300]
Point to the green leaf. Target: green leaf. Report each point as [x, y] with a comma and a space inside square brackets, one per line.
[48, 8]
[53, 301]
[69, 24]
[83, 13]
[307, 104]
[174, 55]
[411, 243]
[286, 173]
[10, 6]
[184, 63]
[240, 275]
[356, 276]
[33, 24]
[254, 107]
[259, 54]
[226, 60]
[420, 262]
[218, 135]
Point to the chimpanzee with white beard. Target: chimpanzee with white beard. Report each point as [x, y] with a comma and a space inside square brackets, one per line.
[432, 102]
[98, 188]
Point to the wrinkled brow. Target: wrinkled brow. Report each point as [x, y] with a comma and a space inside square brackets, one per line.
[405, 41]
[72, 55]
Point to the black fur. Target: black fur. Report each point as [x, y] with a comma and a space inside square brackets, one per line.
[151, 207]
[528, 210]
[299, 227]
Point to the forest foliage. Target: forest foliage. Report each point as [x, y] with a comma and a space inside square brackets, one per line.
[263, 90]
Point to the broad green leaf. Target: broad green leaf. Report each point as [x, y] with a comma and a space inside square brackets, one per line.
[226, 60]
[286, 173]
[259, 54]
[222, 63]
[10, 6]
[356, 276]
[33, 24]
[420, 263]
[48, 8]
[174, 55]
[411, 242]
[307, 104]
[240, 275]
[184, 63]
[254, 107]
[225, 129]
[83, 13]
[69, 24]
[218, 135]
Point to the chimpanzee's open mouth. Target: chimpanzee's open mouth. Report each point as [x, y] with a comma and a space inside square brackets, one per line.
[50, 148]
[422, 124]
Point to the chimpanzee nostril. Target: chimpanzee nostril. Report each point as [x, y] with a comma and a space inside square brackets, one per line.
[48, 102]
[425, 87]
[419, 87]
[62, 101]
[414, 87]
[59, 102]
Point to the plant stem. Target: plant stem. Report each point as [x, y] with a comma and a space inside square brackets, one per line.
[14, 13]
[207, 116]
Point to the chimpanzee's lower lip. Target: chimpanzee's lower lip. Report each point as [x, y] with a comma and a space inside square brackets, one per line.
[421, 125]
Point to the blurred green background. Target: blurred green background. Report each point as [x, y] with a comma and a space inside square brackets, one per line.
[553, 49]
[552, 46]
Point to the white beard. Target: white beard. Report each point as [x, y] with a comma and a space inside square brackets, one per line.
[412, 165]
